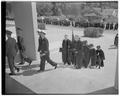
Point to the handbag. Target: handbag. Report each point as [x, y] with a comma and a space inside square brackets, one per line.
[60, 49]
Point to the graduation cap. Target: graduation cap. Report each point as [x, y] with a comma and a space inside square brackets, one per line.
[8, 32]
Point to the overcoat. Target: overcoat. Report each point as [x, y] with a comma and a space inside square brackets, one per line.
[86, 56]
[11, 47]
[43, 48]
[11, 51]
[78, 53]
[66, 54]
[93, 57]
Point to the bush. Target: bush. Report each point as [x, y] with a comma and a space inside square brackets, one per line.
[93, 32]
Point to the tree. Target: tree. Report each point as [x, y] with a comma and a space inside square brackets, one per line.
[44, 9]
[54, 9]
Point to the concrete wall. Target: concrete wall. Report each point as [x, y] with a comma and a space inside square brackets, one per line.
[25, 15]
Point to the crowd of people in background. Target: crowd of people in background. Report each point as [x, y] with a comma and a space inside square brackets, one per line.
[81, 54]
[67, 22]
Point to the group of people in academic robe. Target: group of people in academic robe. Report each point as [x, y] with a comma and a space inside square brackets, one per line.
[81, 54]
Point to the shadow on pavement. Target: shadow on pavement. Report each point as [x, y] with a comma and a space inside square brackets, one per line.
[26, 67]
[65, 66]
[113, 47]
[93, 37]
[30, 72]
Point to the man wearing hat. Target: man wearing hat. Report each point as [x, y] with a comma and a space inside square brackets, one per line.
[11, 51]
[43, 48]
[21, 47]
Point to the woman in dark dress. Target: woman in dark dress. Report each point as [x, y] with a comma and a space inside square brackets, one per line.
[100, 57]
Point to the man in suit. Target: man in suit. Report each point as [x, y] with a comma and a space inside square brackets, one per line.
[11, 51]
[43, 49]
[21, 47]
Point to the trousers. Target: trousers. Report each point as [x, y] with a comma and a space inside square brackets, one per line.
[11, 64]
[44, 59]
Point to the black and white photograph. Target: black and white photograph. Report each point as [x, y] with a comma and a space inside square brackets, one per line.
[60, 47]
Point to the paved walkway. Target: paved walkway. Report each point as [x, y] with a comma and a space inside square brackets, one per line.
[66, 79]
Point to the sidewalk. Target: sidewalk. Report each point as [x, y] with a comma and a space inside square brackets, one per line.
[66, 79]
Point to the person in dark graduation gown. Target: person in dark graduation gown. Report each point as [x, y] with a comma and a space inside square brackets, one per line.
[93, 56]
[11, 51]
[100, 57]
[86, 57]
[66, 46]
[43, 49]
[77, 50]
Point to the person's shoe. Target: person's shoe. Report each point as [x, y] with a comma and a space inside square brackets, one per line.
[18, 69]
[21, 63]
[12, 74]
[30, 63]
[40, 70]
[55, 66]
